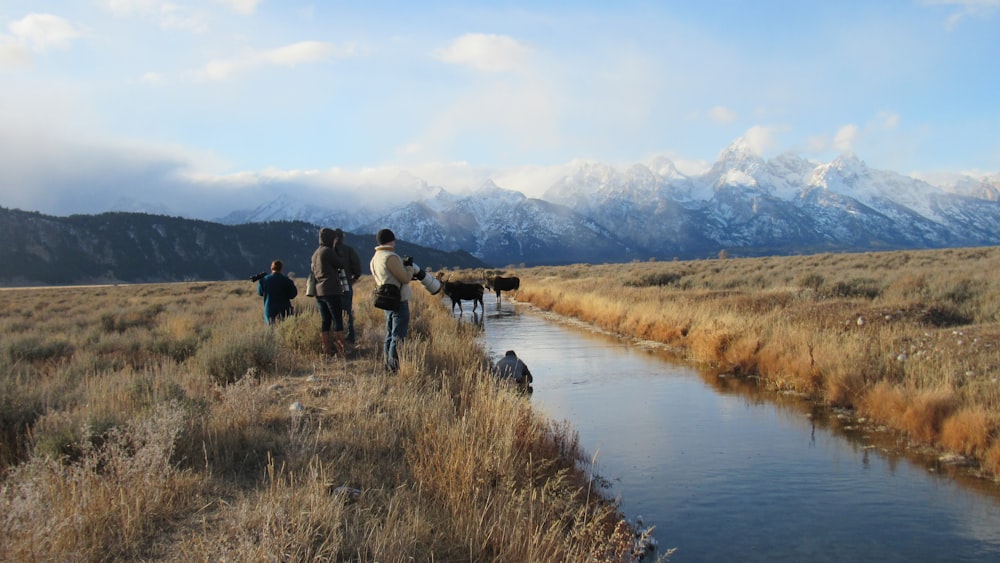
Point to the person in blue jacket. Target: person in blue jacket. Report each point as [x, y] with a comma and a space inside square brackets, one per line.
[278, 292]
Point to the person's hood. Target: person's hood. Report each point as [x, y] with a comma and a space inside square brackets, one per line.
[326, 236]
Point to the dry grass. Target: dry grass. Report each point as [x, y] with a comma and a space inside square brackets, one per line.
[910, 339]
[164, 422]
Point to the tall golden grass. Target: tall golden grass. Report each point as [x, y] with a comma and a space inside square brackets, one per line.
[166, 422]
[910, 339]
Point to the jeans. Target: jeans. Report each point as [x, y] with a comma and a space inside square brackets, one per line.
[330, 313]
[396, 324]
[347, 304]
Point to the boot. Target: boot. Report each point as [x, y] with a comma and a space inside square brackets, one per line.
[338, 341]
[324, 340]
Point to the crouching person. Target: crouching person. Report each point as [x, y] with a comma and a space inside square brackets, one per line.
[511, 368]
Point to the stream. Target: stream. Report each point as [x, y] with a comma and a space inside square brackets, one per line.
[726, 472]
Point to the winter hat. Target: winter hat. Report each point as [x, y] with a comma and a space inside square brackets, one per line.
[385, 236]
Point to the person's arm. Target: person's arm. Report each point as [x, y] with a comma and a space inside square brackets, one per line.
[355, 264]
[395, 266]
[331, 262]
[260, 287]
[293, 291]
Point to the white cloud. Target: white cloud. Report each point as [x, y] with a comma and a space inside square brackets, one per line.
[722, 115]
[846, 137]
[886, 120]
[245, 7]
[521, 115]
[302, 52]
[41, 32]
[152, 78]
[973, 8]
[762, 138]
[167, 15]
[13, 53]
[486, 52]
[289, 55]
[35, 34]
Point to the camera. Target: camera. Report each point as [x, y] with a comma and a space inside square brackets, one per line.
[257, 277]
[430, 283]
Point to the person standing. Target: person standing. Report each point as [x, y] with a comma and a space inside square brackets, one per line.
[326, 264]
[352, 274]
[387, 268]
[278, 292]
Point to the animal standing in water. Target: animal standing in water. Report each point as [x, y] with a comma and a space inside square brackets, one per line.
[500, 283]
[461, 291]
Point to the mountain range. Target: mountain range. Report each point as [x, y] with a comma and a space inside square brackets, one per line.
[139, 247]
[743, 204]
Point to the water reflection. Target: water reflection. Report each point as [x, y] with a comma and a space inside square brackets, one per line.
[725, 471]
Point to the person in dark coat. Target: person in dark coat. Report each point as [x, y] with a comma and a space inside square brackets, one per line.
[326, 265]
[511, 368]
[278, 292]
[349, 276]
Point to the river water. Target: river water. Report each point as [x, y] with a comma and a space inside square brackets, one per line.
[727, 473]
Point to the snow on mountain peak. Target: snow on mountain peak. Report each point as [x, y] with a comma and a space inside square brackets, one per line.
[738, 152]
[739, 156]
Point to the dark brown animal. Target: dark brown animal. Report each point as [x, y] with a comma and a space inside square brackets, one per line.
[500, 283]
[461, 291]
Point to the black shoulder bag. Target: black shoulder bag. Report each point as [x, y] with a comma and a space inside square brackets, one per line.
[387, 297]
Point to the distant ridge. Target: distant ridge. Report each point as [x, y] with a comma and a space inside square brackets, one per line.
[138, 247]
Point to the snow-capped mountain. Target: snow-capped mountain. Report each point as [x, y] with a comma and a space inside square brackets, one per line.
[504, 227]
[744, 204]
[287, 208]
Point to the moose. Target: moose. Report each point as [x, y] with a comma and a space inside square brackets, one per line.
[462, 291]
[500, 283]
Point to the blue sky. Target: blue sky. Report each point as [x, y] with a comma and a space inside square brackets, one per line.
[191, 104]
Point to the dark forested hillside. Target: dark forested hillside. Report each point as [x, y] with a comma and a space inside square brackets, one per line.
[137, 247]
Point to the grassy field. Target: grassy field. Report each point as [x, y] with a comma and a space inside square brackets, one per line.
[166, 422]
[909, 340]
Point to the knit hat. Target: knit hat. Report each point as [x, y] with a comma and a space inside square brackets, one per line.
[385, 236]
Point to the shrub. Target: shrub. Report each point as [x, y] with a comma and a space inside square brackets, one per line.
[927, 412]
[656, 279]
[300, 332]
[865, 288]
[968, 431]
[811, 281]
[20, 406]
[37, 349]
[140, 318]
[943, 316]
[233, 355]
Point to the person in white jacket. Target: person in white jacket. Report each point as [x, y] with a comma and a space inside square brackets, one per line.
[388, 268]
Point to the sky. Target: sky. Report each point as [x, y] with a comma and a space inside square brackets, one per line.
[206, 106]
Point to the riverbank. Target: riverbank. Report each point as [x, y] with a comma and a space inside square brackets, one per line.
[909, 340]
[167, 423]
